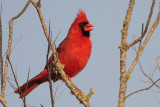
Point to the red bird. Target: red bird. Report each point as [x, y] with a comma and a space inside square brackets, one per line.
[74, 52]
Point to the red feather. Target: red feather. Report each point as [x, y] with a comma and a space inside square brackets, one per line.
[74, 52]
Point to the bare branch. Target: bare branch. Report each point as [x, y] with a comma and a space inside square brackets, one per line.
[144, 72]
[144, 43]
[4, 103]
[9, 47]
[24, 9]
[146, 27]
[56, 37]
[49, 71]
[60, 94]
[123, 50]
[26, 89]
[2, 100]
[1, 56]
[50, 84]
[24, 102]
[126, 22]
[158, 62]
[149, 17]
[143, 89]
[56, 90]
[142, 29]
[147, 75]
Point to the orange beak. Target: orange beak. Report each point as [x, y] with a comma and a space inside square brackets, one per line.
[88, 27]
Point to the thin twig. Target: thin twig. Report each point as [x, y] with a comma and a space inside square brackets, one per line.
[16, 82]
[16, 42]
[143, 70]
[60, 94]
[10, 83]
[147, 75]
[144, 43]
[26, 89]
[149, 17]
[49, 71]
[56, 37]
[23, 10]
[158, 62]
[9, 47]
[143, 88]
[2, 100]
[146, 27]
[57, 87]
[1, 56]
[151, 74]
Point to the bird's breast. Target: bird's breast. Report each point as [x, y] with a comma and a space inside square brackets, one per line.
[75, 55]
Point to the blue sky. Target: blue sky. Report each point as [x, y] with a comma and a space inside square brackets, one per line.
[102, 71]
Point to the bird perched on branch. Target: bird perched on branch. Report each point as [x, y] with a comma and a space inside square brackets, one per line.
[74, 52]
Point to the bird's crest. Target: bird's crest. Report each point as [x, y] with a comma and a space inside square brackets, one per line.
[81, 16]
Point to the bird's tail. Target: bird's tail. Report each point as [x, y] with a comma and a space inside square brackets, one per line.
[29, 86]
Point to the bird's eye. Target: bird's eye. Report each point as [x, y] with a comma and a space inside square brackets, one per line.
[82, 25]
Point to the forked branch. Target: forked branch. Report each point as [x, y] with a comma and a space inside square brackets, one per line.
[155, 24]
[123, 50]
[4, 77]
[146, 27]
[143, 70]
[143, 89]
[9, 48]
[124, 46]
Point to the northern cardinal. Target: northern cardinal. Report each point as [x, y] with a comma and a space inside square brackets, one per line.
[74, 52]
